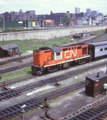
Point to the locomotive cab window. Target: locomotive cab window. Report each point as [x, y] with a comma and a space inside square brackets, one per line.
[84, 50]
[57, 53]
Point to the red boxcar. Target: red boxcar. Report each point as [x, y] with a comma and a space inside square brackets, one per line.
[52, 58]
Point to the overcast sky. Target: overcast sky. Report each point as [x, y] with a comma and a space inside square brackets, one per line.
[45, 6]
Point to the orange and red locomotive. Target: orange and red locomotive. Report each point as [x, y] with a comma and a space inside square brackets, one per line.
[52, 58]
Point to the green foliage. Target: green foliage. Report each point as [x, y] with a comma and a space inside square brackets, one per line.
[67, 19]
[99, 31]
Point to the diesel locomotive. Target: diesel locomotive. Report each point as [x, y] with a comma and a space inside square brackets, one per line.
[59, 57]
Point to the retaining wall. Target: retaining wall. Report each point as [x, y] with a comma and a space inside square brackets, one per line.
[47, 34]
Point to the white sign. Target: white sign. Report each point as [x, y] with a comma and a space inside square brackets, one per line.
[20, 22]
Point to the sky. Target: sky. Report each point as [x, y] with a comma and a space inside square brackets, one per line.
[56, 6]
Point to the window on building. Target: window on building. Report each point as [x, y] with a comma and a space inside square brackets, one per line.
[88, 82]
[84, 50]
[101, 49]
[16, 50]
[105, 48]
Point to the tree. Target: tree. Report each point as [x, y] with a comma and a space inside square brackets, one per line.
[67, 19]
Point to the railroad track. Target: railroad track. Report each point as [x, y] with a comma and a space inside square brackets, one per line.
[15, 68]
[15, 80]
[24, 77]
[18, 91]
[35, 102]
[15, 59]
[97, 112]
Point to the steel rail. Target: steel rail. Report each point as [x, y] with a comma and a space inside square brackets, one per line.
[15, 80]
[15, 68]
[15, 59]
[91, 113]
[18, 91]
[16, 108]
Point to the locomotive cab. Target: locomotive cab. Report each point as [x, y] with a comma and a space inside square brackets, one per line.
[45, 58]
[40, 56]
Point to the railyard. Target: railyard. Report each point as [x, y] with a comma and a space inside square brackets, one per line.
[62, 106]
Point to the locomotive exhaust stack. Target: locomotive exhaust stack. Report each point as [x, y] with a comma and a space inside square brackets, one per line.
[97, 74]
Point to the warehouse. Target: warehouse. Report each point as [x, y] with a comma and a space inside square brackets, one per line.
[8, 50]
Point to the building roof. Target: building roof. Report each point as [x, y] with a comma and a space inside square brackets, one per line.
[94, 76]
[98, 43]
[9, 46]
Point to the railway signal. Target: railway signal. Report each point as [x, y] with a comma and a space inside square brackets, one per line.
[4, 86]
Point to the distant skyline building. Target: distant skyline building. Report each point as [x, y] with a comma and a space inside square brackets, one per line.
[94, 13]
[77, 10]
[88, 11]
[32, 11]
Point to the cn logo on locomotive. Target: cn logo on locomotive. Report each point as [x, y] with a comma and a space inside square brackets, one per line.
[70, 52]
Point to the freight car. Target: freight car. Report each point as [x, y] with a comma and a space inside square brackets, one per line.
[54, 58]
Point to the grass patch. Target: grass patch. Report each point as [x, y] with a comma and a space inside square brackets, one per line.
[99, 31]
[15, 74]
[26, 45]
